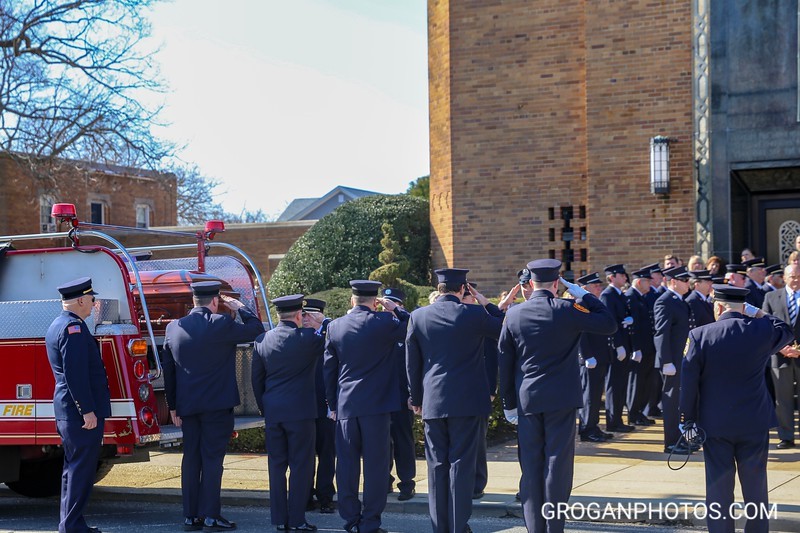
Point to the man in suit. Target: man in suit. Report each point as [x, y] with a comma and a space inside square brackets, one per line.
[199, 361]
[449, 388]
[361, 388]
[723, 392]
[595, 358]
[785, 369]
[642, 372]
[401, 429]
[325, 435]
[81, 399]
[672, 316]
[756, 274]
[699, 297]
[620, 346]
[656, 289]
[540, 386]
[283, 371]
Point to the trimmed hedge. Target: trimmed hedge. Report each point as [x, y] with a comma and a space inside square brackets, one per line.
[345, 244]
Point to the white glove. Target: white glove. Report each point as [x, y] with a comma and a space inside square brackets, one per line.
[627, 321]
[750, 310]
[590, 363]
[669, 369]
[511, 415]
[575, 290]
[621, 353]
[689, 431]
[637, 356]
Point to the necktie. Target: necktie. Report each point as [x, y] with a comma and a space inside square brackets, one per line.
[793, 307]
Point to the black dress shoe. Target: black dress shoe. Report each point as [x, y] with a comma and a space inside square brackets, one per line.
[305, 526]
[326, 507]
[593, 437]
[621, 428]
[477, 495]
[192, 524]
[679, 449]
[642, 421]
[785, 444]
[282, 527]
[218, 524]
[403, 496]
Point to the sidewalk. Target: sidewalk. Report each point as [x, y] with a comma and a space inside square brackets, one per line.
[626, 479]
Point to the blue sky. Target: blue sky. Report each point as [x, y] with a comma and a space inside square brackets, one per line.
[285, 99]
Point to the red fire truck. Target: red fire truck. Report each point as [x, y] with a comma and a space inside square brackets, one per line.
[139, 294]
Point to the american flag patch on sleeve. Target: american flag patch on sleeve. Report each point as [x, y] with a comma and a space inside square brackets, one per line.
[74, 329]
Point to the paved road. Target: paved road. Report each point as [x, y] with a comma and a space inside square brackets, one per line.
[24, 515]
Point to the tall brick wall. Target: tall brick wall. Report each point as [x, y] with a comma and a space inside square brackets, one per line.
[551, 104]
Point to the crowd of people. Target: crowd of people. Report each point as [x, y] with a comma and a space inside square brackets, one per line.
[339, 396]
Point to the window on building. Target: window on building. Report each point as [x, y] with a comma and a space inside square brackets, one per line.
[46, 222]
[96, 210]
[142, 216]
[341, 198]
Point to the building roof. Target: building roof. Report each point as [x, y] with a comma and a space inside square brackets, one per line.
[300, 208]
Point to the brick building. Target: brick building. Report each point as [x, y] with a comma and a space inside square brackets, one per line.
[542, 113]
[106, 194]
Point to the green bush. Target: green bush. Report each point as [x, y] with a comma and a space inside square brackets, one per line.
[345, 245]
[248, 441]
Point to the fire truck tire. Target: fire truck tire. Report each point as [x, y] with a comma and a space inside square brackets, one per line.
[39, 479]
[42, 479]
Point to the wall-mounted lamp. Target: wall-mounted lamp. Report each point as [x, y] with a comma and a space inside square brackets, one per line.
[659, 165]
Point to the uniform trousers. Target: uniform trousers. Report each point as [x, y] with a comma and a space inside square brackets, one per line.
[724, 456]
[640, 385]
[547, 458]
[451, 447]
[290, 445]
[364, 437]
[787, 385]
[593, 382]
[670, 407]
[325, 448]
[654, 402]
[205, 438]
[403, 449]
[81, 453]
[616, 390]
[481, 467]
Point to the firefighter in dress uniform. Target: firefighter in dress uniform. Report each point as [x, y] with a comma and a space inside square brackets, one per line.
[723, 392]
[540, 385]
[361, 388]
[449, 389]
[199, 361]
[81, 400]
[283, 372]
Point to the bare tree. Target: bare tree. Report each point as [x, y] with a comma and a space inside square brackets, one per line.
[72, 75]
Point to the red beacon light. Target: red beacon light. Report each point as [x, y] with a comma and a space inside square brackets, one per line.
[65, 213]
[213, 227]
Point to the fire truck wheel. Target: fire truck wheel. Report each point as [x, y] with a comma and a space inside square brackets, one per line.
[39, 479]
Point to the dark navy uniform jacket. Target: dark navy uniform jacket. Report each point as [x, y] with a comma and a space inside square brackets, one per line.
[594, 345]
[756, 294]
[722, 381]
[81, 380]
[199, 360]
[671, 314]
[701, 309]
[360, 375]
[615, 302]
[775, 304]
[284, 371]
[445, 358]
[641, 332]
[539, 368]
[490, 352]
[399, 358]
